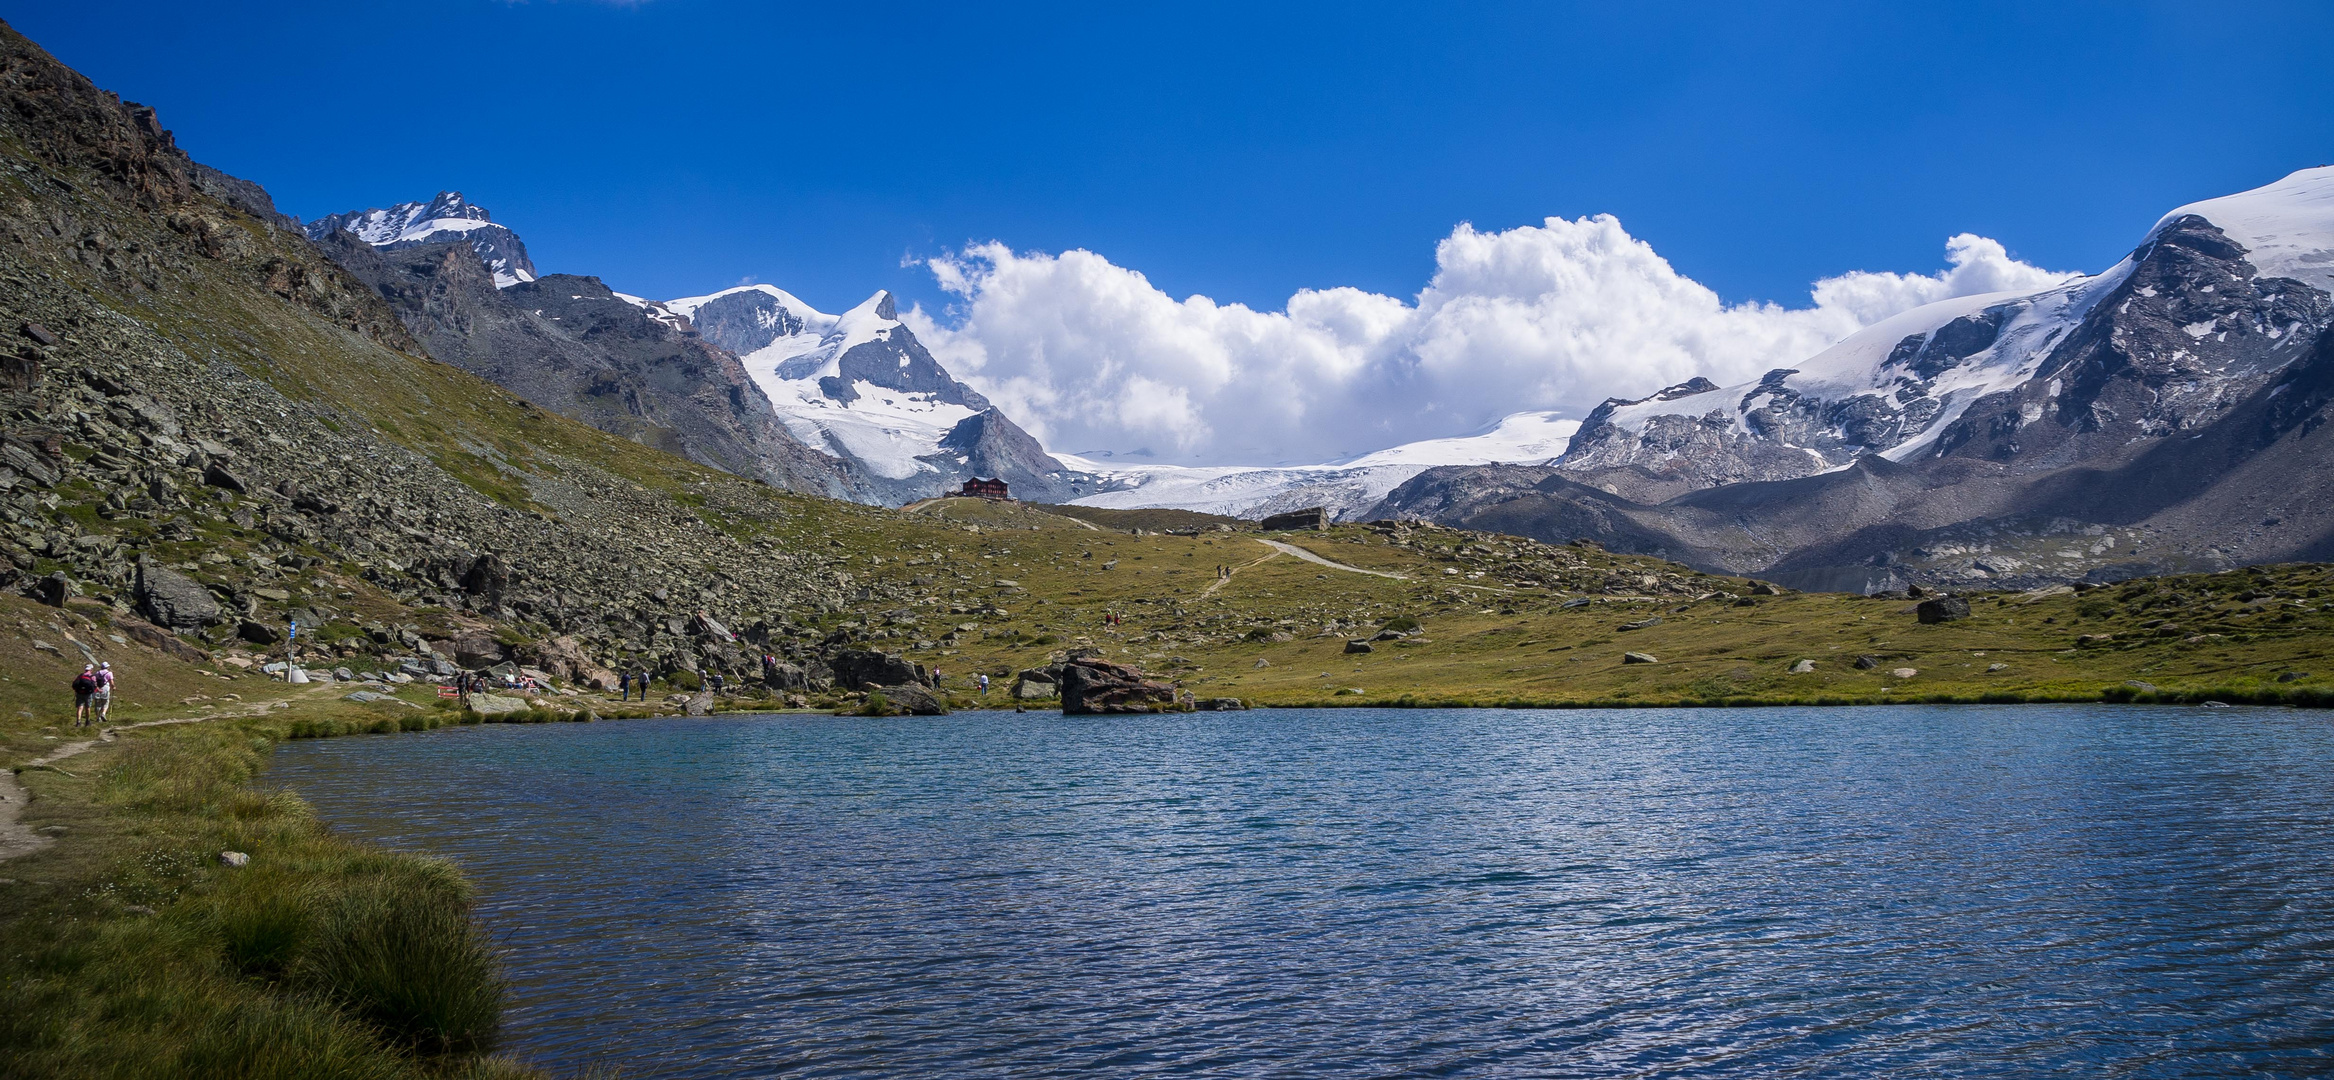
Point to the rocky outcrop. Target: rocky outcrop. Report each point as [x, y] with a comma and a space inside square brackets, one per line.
[476, 651]
[242, 195]
[1094, 686]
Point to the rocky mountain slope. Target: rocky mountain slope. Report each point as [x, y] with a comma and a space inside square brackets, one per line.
[571, 345]
[210, 429]
[2162, 415]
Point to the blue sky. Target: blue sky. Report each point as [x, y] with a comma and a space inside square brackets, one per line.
[970, 158]
[1239, 150]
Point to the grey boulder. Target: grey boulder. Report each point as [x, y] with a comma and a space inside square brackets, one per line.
[1942, 609]
[173, 600]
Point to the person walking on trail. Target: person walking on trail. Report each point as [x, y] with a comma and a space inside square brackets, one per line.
[84, 689]
[104, 698]
[624, 687]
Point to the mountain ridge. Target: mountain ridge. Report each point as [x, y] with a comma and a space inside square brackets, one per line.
[1967, 441]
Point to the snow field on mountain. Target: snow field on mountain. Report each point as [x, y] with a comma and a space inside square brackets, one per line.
[1346, 488]
[2287, 228]
[885, 429]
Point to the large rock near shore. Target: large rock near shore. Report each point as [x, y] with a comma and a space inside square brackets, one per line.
[859, 669]
[1099, 686]
[1036, 684]
[913, 699]
[496, 704]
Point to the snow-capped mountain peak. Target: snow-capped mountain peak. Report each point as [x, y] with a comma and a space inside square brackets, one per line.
[2286, 228]
[873, 320]
[860, 386]
[416, 222]
[448, 218]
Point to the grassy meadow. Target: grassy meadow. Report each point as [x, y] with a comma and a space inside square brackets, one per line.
[1503, 621]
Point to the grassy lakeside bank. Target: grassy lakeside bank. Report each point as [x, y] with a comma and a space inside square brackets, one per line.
[130, 949]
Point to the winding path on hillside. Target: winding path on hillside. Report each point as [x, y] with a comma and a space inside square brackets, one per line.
[1317, 560]
[1279, 549]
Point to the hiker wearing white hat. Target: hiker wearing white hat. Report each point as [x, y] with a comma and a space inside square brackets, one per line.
[103, 700]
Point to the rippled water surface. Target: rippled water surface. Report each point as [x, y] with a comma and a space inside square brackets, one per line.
[1842, 892]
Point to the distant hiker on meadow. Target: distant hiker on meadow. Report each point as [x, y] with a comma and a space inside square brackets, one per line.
[84, 689]
[984, 685]
[103, 702]
[624, 687]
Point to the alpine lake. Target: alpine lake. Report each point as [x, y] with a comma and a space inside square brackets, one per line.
[2009, 891]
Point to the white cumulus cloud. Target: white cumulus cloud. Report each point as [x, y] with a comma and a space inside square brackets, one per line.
[1558, 316]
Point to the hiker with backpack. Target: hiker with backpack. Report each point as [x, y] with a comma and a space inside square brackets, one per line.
[102, 701]
[84, 689]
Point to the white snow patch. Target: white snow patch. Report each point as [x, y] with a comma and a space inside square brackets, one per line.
[1522, 438]
[885, 429]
